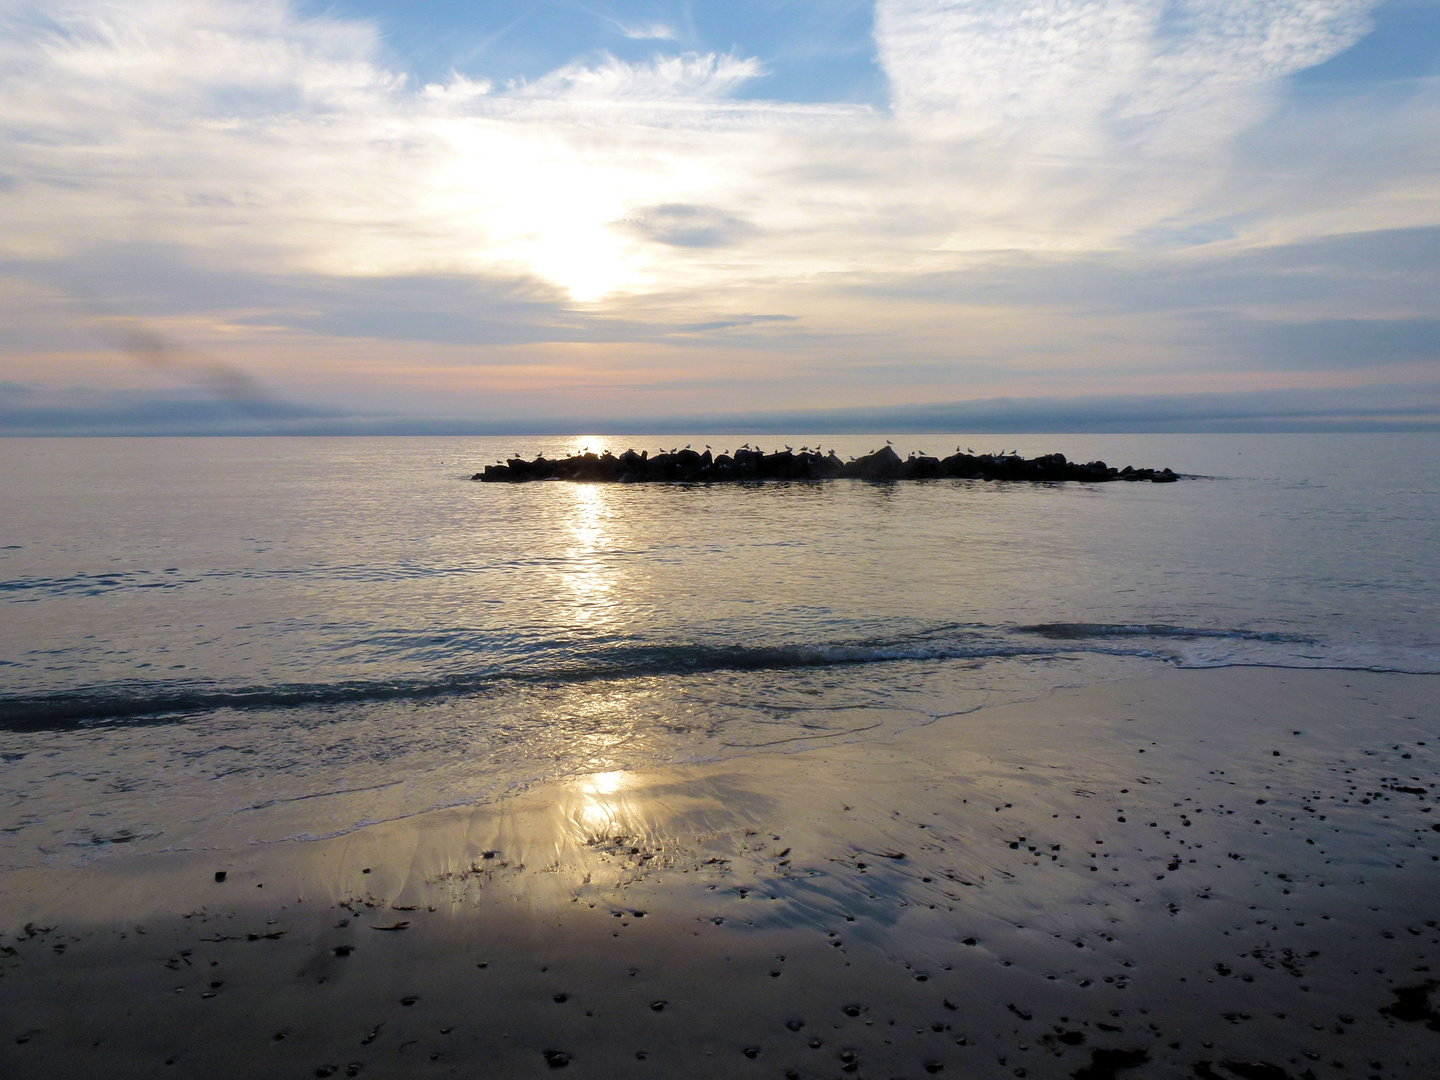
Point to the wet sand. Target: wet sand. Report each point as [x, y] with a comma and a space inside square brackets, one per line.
[1231, 873]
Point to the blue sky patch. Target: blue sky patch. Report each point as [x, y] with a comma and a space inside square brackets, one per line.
[811, 51]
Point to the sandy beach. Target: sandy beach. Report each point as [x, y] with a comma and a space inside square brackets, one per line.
[1223, 873]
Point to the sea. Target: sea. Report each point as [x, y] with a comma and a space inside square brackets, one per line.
[210, 643]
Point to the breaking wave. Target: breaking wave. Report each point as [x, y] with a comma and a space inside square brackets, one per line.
[140, 701]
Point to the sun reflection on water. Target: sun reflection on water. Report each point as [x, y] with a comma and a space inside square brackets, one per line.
[588, 578]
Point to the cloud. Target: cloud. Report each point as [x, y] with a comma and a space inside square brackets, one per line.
[1080, 76]
[1380, 408]
[1044, 125]
[1334, 344]
[1080, 190]
[683, 225]
[652, 31]
[26, 410]
[674, 80]
[30, 410]
[734, 323]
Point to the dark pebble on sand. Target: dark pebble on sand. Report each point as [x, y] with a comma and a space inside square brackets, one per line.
[343, 950]
[751, 1052]
[1105, 1064]
[560, 999]
[220, 875]
[658, 1006]
[1257, 1070]
[794, 1025]
[557, 1059]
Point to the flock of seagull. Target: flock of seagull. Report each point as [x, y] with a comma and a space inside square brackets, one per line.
[789, 449]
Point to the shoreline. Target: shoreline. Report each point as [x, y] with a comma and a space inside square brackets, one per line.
[986, 893]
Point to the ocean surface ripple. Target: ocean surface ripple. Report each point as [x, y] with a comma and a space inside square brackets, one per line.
[232, 612]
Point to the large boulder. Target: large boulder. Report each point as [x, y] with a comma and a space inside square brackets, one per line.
[883, 464]
[923, 468]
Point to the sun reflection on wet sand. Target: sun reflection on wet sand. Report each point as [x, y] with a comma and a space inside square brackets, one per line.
[603, 806]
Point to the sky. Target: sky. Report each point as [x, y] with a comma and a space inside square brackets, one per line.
[441, 215]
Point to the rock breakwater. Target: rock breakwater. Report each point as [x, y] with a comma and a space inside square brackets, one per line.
[691, 467]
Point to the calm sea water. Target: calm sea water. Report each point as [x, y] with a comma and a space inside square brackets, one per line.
[199, 634]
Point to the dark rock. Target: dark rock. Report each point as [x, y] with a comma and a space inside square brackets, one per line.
[1412, 1005]
[883, 464]
[1105, 1064]
[924, 468]
[752, 464]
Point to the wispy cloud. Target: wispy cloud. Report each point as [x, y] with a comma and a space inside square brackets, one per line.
[651, 31]
[687, 78]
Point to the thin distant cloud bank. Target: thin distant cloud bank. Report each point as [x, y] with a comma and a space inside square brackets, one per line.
[1061, 199]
